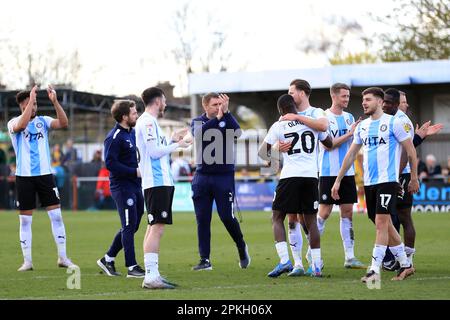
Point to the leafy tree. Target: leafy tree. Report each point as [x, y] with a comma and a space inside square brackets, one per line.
[422, 31]
[353, 58]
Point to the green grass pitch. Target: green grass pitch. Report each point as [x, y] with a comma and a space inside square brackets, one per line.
[90, 233]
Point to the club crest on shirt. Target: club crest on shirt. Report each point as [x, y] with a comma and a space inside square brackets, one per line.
[130, 202]
[39, 125]
[149, 130]
[222, 124]
[407, 127]
[383, 128]
[349, 122]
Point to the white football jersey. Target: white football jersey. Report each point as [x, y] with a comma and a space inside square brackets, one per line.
[31, 147]
[154, 172]
[330, 162]
[381, 147]
[301, 159]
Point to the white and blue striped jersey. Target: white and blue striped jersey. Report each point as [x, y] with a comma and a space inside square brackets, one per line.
[31, 147]
[408, 126]
[153, 165]
[381, 148]
[301, 159]
[330, 162]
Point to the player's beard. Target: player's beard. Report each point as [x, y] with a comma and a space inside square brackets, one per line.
[131, 124]
[369, 111]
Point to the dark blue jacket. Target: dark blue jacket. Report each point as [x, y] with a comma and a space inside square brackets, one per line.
[121, 158]
[220, 164]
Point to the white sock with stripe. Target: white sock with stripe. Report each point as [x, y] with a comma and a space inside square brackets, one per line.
[26, 236]
[296, 243]
[282, 251]
[151, 266]
[377, 257]
[400, 255]
[59, 231]
[346, 229]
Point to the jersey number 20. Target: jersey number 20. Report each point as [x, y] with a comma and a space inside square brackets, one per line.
[303, 137]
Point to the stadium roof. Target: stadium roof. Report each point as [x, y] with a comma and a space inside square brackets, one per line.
[379, 74]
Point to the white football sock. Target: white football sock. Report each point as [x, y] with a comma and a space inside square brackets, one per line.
[347, 238]
[400, 255]
[151, 266]
[25, 236]
[296, 243]
[109, 259]
[410, 254]
[320, 224]
[282, 251]
[59, 232]
[377, 257]
[316, 259]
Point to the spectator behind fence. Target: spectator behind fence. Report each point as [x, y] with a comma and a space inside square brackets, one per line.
[11, 155]
[421, 169]
[70, 155]
[57, 155]
[446, 170]
[103, 199]
[2, 156]
[12, 186]
[97, 157]
[433, 168]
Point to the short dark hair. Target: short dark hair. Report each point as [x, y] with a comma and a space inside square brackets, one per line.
[286, 104]
[302, 85]
[150, 94]
[22, 96]
[335, 88]
[394, 93]
[121, 108]
[377, 92]
[209, 96]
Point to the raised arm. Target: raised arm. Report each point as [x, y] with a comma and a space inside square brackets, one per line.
[264, 151]
[22, 121]
[150, 137]
[61, 120]
[320, 124]
[340, 140]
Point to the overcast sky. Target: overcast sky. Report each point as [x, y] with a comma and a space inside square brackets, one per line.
[124, 45]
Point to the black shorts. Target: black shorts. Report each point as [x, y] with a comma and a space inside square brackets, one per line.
[297, 195]
[43, 186]
[405, 198]
[381, 199]
[347, 190]
[158, 202]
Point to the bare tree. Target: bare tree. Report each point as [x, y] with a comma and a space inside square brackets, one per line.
[201, 42]
[30, 66]
[331, 41]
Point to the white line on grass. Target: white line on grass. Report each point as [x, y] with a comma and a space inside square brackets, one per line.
[113, 293]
